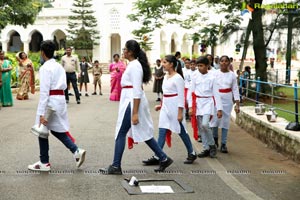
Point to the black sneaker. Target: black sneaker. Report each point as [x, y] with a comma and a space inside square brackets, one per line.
[94, 93]
[151, 161]
[224, 148]
[111, 170]
[203, 154]
[212, 151]
[190, 159]
[164, 164]
[216, 142]
[199, 139]
[158, 99]
[86, 94]
[101, 93]
[78, 101]
[70, 94]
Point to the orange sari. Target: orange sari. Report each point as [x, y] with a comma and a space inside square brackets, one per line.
[27, 80]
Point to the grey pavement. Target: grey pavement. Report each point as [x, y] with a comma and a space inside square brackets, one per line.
[249, 171]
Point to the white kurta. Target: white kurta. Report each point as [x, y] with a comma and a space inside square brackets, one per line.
[187, 77]
[224, 81]
[133, 76]
[194, 75]
[53, 77]
[205, 86]
[169, 110]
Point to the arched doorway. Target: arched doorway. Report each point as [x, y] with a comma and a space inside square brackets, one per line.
[59, 38]
[115, 44]
[35, 43]
[15, 44]
[174, 39]
[163, 41]
[185, 44]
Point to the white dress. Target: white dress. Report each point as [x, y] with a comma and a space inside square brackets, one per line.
[53, 77]
[205, 86]
[169, 110]
[133, 76]
[225, 81]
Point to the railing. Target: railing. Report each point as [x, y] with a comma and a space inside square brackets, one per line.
[275, 96]
[281, 76]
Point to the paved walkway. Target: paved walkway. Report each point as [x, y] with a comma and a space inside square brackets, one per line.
[249, 171]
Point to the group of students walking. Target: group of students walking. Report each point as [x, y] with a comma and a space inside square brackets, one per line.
[209, 99]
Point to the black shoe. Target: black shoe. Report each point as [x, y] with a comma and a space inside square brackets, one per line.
[151, 161]
[203, 154]
[101, 93]
[86, 94]
[199, 139]
[94, 93]
[164, 164]
[70, 94]
[78, 101]
[111, 170]
[224, 148]
[212, 151]
[79, 94]
[158, 99]
[67, 101]
[216, 142]
[190, 159]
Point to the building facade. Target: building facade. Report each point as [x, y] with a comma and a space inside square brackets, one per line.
[114, 27]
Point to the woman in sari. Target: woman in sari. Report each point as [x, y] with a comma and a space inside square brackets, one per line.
[5, 90]
[26, 76]
[116, 70]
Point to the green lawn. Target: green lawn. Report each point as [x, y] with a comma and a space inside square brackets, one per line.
[286, 104]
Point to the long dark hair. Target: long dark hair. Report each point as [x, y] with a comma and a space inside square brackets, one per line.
[176, 64]
[139, 54]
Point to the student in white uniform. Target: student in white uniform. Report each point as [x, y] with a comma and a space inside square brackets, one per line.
[52, 86]
[187, 82]
[205, 98]
[134, 114]
[228, 90]
[172, 109]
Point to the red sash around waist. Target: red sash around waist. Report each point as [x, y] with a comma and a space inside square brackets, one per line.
[56, 92]
[227, 90]
[127, 86]
[170, 95]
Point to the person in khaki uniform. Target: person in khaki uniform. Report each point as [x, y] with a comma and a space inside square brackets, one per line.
[97, 73]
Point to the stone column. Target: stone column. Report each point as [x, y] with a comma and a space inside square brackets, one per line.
[26, 46]
[4, 45]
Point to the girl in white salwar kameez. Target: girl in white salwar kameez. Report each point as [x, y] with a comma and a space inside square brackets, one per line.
[228, 91]
[134, 116]
[52, 86]
[205, 98]
[172, 110]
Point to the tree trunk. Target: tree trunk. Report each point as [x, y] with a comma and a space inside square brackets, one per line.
[246, 44]
[259, 43]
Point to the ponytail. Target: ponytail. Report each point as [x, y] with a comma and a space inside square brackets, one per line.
[145, 65]
[139, 54]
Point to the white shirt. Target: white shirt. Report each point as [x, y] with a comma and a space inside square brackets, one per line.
[133, 76]
[169, 110]
[228, 80]
[53, 77]
[187, 77]
[205, 85]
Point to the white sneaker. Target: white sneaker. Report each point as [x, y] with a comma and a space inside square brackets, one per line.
[38, 166]
[79, 156]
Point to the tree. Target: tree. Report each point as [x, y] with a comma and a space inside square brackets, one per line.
[18, 12]
[81, 26]
[152, 14]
